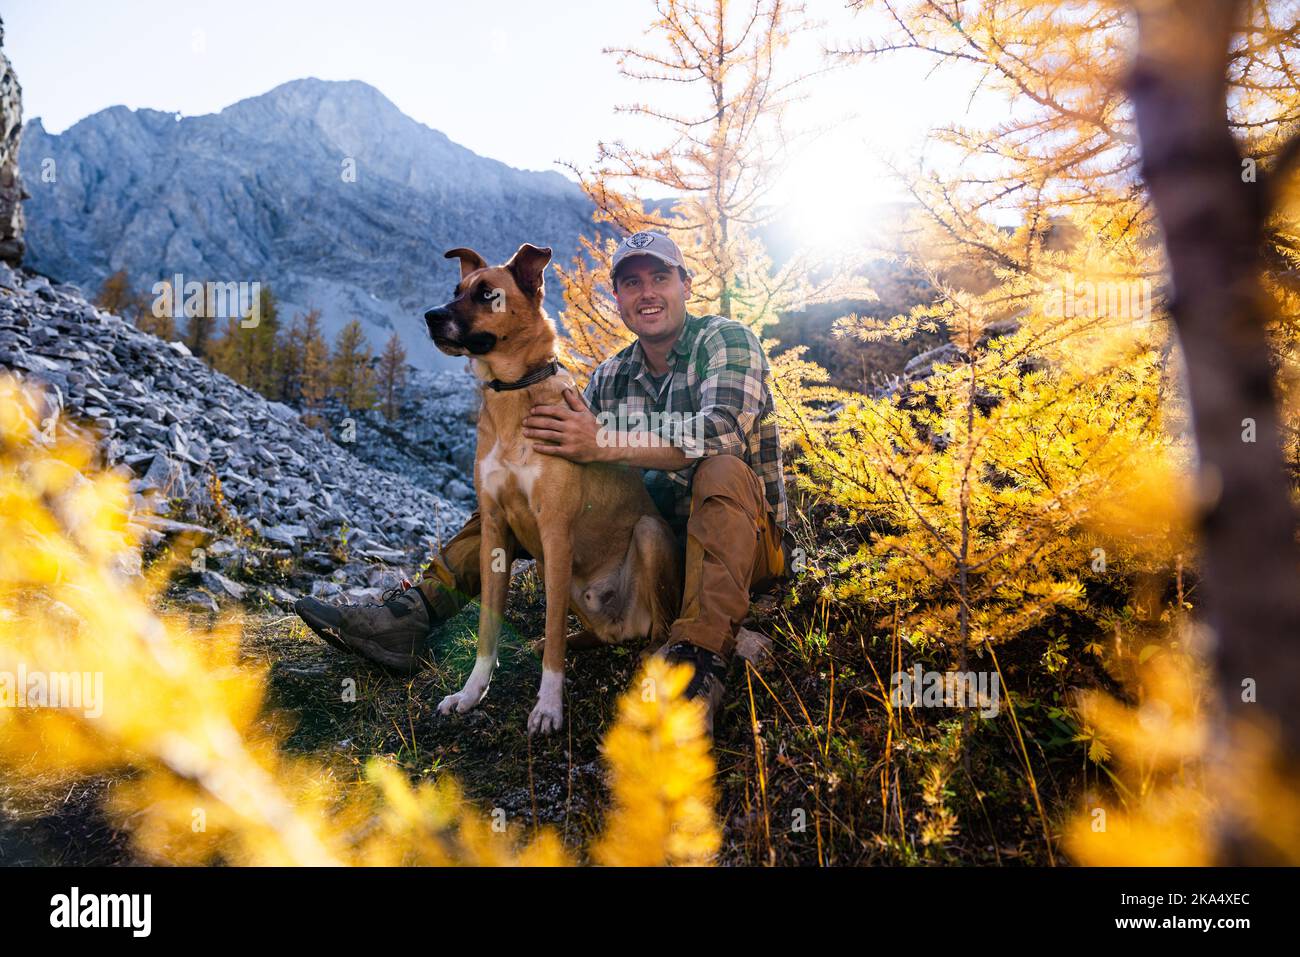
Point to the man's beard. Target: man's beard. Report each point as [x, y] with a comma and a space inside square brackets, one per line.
[669, 334]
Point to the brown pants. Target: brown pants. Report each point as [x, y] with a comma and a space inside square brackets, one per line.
[733, 544]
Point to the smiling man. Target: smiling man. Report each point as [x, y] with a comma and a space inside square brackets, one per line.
[689, 403]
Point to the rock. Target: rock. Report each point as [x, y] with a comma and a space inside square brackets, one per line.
[324, 588]
[145, 536]
[11, 184]
[754, 647]
[160, 416]
[320, 561]
[179, 440]
[127, 565]
[382, 554]
[165, 476]
[171, 526]
[285, 534]
[230, 556]
[199, 601]
[380, 578]
[139, 461]
[218, 583]
[134, 185]
[279, 596]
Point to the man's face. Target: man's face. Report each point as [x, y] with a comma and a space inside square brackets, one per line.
[651, 298]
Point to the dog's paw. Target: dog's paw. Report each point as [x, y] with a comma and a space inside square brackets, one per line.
[466, 699]
[546, 717]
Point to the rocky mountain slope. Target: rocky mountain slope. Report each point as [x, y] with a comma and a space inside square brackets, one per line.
[11, 185]
[168, 422]
[324, 190]
[430, 443]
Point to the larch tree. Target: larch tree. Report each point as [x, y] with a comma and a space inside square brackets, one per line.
[1214, 222]
[289, 360]
[251, 354]
[154, 315]
[310, 379]
[391, 375]
[1061, 395]
[351, 375]
[231, 353]
[117, 296]
[265, 341]
[199, 309]
[991, 460]
[719, 160]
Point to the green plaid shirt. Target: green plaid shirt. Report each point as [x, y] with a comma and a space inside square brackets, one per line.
[714, 401]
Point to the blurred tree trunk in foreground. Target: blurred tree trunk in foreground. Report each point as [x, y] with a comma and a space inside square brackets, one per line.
[1213, 214]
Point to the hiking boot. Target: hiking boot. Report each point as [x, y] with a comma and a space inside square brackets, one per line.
[393, 633]
[709, 680]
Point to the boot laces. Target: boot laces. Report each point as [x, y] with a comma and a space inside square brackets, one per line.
[393, 592]
[709, 666]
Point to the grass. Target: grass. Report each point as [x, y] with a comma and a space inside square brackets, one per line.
[814, 765]
[554, 780]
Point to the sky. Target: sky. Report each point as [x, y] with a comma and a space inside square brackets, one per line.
[522, 82]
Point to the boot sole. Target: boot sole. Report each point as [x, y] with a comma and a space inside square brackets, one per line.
[331, 635]
[323, 630]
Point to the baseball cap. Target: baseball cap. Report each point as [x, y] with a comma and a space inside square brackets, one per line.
[648, 242]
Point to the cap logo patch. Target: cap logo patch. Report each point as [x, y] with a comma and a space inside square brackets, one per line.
[638, 240]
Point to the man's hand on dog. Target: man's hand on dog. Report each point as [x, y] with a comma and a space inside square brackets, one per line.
[569, 431]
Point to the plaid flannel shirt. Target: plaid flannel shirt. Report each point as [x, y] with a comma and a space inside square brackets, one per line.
[714, 401]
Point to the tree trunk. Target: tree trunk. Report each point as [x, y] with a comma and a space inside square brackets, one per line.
[1213, 227]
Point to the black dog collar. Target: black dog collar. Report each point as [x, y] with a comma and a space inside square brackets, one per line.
[537, 375]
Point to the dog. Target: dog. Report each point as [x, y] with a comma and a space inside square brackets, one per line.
[602, 548]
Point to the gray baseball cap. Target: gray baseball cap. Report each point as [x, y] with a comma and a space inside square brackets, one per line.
[648, 242]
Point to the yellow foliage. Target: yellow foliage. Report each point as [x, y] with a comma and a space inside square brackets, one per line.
[997, 482]
[662, 781]
[175, 717]
[1164, 814]
[1175, 793]
[719, 165]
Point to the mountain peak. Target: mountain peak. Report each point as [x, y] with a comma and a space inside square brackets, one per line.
[311, 91]
[322, 189]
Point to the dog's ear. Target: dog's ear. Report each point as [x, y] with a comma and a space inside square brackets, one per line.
[469, 260]
[528, 266]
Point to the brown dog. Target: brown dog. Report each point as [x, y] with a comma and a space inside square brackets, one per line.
[601, 546]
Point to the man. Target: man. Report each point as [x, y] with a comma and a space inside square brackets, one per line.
[689, 403]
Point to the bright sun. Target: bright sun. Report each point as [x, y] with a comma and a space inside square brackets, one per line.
[833, 197]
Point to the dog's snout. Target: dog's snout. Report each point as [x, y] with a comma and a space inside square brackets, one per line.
[441, 323]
